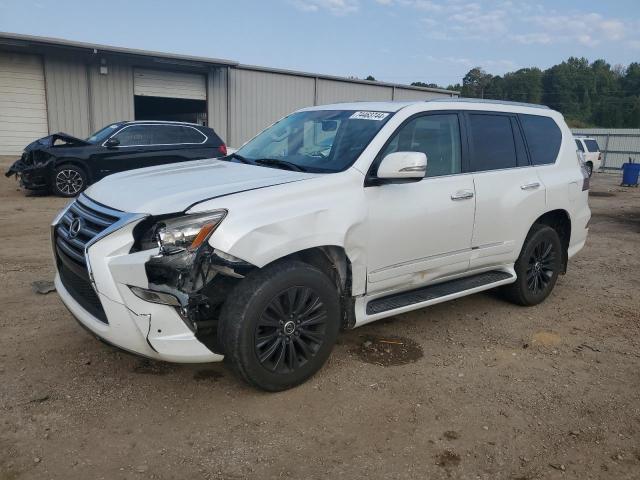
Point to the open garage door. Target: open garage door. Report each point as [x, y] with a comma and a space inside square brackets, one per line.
[164, 95]
[23, 105]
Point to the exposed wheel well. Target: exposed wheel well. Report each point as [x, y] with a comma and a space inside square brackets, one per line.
[333, 262]
[559, 220]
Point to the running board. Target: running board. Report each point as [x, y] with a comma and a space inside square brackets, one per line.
[433, 292]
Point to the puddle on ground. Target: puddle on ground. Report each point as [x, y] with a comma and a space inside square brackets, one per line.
[208, 374]
[601, 194]
[448, 459]
[388, 351]
[150, 367]
[451, 435]
[547, 339]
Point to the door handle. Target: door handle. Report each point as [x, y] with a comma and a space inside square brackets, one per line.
[530, 186]
[462, 195]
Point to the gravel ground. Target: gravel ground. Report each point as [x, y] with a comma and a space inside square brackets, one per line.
[474, 388]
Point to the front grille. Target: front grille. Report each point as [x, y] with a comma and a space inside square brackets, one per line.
[81, 223]
[91, 223]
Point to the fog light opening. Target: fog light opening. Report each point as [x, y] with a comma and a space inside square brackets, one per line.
[155, 297]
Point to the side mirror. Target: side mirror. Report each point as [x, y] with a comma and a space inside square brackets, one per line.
[112, 142]
[403, 166]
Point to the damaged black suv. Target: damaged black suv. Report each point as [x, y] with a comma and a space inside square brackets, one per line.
[65, 165]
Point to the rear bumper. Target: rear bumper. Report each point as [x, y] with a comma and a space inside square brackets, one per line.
[579, 229]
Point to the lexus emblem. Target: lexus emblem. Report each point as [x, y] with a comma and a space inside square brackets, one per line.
[74, 228]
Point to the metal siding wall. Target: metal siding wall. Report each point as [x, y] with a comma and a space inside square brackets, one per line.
[334, 91]
[111, 94]
[407, 94]
[217, 101]
[23, 106]
[67, 96]
[258, 99]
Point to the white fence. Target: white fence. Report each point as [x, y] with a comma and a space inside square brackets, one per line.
[616, 144]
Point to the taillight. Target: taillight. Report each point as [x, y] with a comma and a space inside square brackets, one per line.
[600, 156]
[222, 149]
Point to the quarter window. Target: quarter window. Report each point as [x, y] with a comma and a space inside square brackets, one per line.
[437, 136]
[543, 138]
[579, 145]
[492, 143]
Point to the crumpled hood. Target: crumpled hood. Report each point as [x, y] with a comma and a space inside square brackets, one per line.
[178, 186]
[49, 140]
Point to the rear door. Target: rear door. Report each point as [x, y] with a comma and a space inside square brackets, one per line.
[509, 192]
[178, 143]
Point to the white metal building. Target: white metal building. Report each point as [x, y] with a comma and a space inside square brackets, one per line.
[50, 85]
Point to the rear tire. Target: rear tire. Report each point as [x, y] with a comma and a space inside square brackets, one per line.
[537, 267]
[69, 180]
[280, 324]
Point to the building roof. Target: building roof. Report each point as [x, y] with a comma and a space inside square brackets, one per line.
[20, 40]
[16, 41]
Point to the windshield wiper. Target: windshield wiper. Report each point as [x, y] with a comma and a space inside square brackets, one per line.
[274, 162]
[241, 158]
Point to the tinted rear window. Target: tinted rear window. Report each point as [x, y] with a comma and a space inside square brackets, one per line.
[492, 142]
[592, 145]
[543, 137]
[579, 145]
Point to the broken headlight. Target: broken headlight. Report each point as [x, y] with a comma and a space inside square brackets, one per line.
[187, 232]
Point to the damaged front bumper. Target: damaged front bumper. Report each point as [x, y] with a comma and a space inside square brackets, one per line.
[184, 331]
[32, 176]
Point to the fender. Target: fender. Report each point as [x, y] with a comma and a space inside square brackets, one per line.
[261, 229]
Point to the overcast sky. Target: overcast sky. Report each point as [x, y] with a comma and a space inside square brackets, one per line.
[434, 41]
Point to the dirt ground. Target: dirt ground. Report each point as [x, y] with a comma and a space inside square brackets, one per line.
[477, 388]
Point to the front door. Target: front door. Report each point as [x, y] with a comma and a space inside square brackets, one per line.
[136, 149]
[422, 231]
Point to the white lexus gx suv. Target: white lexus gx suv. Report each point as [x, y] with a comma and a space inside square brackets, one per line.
[333, 217]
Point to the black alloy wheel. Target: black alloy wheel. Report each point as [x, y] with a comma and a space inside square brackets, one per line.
[537, 268]
[278, 326]
[540, 270]
[290, 330]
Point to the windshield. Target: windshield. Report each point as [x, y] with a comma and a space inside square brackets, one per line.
[324, 141]
[103, 133]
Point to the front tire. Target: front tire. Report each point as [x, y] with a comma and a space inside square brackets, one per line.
[280, 324]
[69, 180]
[537, 267]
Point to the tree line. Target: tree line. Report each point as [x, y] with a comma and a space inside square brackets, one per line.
[587, 94]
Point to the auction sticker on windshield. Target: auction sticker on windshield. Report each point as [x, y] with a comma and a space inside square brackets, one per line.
[369, 116]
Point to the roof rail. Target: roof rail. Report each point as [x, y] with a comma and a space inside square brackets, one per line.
[482, 100]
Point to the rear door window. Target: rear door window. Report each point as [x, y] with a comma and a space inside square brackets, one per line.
[492, 142]
[579, 145]
[543, 138]
[592, 145]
